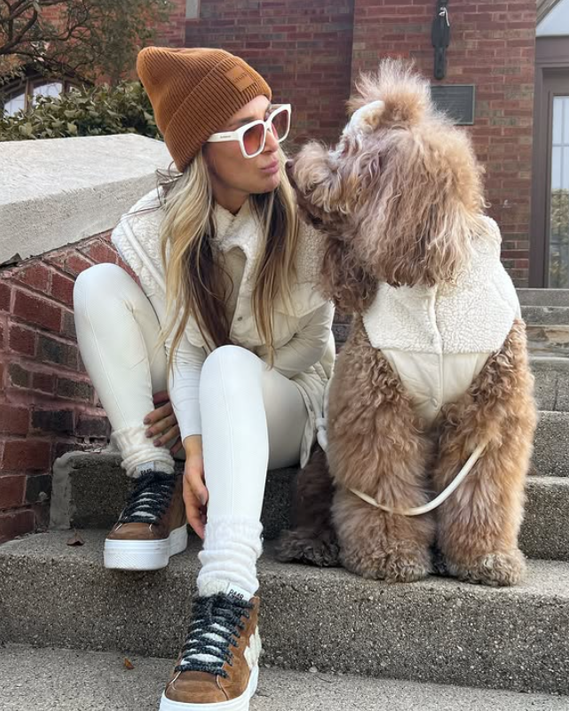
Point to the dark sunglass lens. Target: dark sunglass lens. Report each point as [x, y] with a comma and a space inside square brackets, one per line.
[253, 138]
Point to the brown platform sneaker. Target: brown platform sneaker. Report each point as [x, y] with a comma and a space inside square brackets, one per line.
[152, 526]
[218, 667]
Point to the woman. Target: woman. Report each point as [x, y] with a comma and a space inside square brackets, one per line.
[229, 322]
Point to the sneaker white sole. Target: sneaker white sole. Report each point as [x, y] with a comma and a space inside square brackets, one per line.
[241, 703]
[144, 555]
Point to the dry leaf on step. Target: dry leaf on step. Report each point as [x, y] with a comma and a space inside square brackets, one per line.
[75, 540]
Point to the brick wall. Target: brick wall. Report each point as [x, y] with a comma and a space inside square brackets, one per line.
[492, 46]
[309, 51]
[303, 49]
[47, 403]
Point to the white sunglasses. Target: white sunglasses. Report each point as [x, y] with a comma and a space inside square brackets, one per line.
[252, 136]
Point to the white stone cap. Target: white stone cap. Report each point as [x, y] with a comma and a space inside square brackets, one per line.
[60, 190]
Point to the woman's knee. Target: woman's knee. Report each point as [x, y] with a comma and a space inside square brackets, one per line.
[232, 368]
[101, 281]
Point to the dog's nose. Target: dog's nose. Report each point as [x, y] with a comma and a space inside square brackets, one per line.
[289, 168]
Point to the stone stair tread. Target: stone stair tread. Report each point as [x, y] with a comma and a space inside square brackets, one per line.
[543, 297]
[546, 315]
[545, 578]
[68, 680]
[436, 630]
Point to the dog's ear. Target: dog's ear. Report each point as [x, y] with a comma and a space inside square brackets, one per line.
[405, 95]
[344, 280]
[367, 118]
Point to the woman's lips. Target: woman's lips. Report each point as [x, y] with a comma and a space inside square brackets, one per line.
[271, 168]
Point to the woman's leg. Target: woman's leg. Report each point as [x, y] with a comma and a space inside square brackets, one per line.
[118, 334]
[253, 419]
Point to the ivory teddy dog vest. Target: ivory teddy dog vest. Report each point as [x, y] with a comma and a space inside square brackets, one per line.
[437, 339]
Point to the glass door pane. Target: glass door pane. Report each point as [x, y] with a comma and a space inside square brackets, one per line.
[558, 237]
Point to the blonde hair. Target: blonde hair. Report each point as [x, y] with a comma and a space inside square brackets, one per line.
[196, 281]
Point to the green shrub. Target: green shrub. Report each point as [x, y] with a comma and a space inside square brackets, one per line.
[96, 111]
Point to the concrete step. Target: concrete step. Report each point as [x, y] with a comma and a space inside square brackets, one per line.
[437, 630]
[89, 491]
[543, 297]
[551, 383]
[548, 340]
[68, 680]
[551, 445]
[546, 315]
[96, 488]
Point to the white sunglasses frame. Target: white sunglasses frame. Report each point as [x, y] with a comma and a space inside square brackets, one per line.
[238, 134]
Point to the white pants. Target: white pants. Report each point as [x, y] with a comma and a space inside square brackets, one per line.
[253, 418]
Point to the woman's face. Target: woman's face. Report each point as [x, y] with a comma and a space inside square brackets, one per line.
[235, 177]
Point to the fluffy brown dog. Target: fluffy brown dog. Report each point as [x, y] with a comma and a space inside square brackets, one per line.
[435, 365]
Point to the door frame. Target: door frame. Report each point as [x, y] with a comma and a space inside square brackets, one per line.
[551, 78]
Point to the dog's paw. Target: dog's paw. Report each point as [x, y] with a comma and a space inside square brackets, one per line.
[394, 567]
[309, 547]
[494, 569]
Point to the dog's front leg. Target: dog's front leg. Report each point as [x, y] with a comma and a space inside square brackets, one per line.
[376, 445]
[479, 523]
[380, 545]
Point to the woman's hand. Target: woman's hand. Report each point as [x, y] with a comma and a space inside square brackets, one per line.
[163, 423]
[195, 491]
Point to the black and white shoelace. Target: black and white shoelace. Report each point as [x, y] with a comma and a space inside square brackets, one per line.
[215, 627]
[149, 499]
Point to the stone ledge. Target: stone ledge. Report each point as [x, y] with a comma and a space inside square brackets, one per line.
[61, 190]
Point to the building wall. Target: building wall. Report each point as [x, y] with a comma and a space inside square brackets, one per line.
[493, 47]
[310, 53]
[47, 403]
[303, 49]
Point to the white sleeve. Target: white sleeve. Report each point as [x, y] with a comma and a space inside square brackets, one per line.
[308, 345]
[184, 379]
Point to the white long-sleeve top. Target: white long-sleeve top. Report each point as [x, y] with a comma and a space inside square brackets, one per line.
[303, 341]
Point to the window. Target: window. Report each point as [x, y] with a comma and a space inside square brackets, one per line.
[192, 9]
[22, 97]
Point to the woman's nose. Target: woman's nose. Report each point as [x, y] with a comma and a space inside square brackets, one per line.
[271, 143]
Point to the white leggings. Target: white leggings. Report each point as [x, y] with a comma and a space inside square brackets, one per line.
[253, 418]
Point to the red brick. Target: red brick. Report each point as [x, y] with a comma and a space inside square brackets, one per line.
[23, 455]
[38, 311]
[22, 340]
[12, 490]
[36, 276]
[74, 389]
[100, 252]
[60, 352]
[62, 289]
[19, 376]
[68, 326]
[14, 420]
[16, 524]
[44, 382]
[75, 264]
[5, 292]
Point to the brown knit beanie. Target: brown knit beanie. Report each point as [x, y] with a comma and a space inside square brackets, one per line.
[194, 92]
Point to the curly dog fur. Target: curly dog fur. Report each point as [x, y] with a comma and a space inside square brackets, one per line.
[399, 200]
